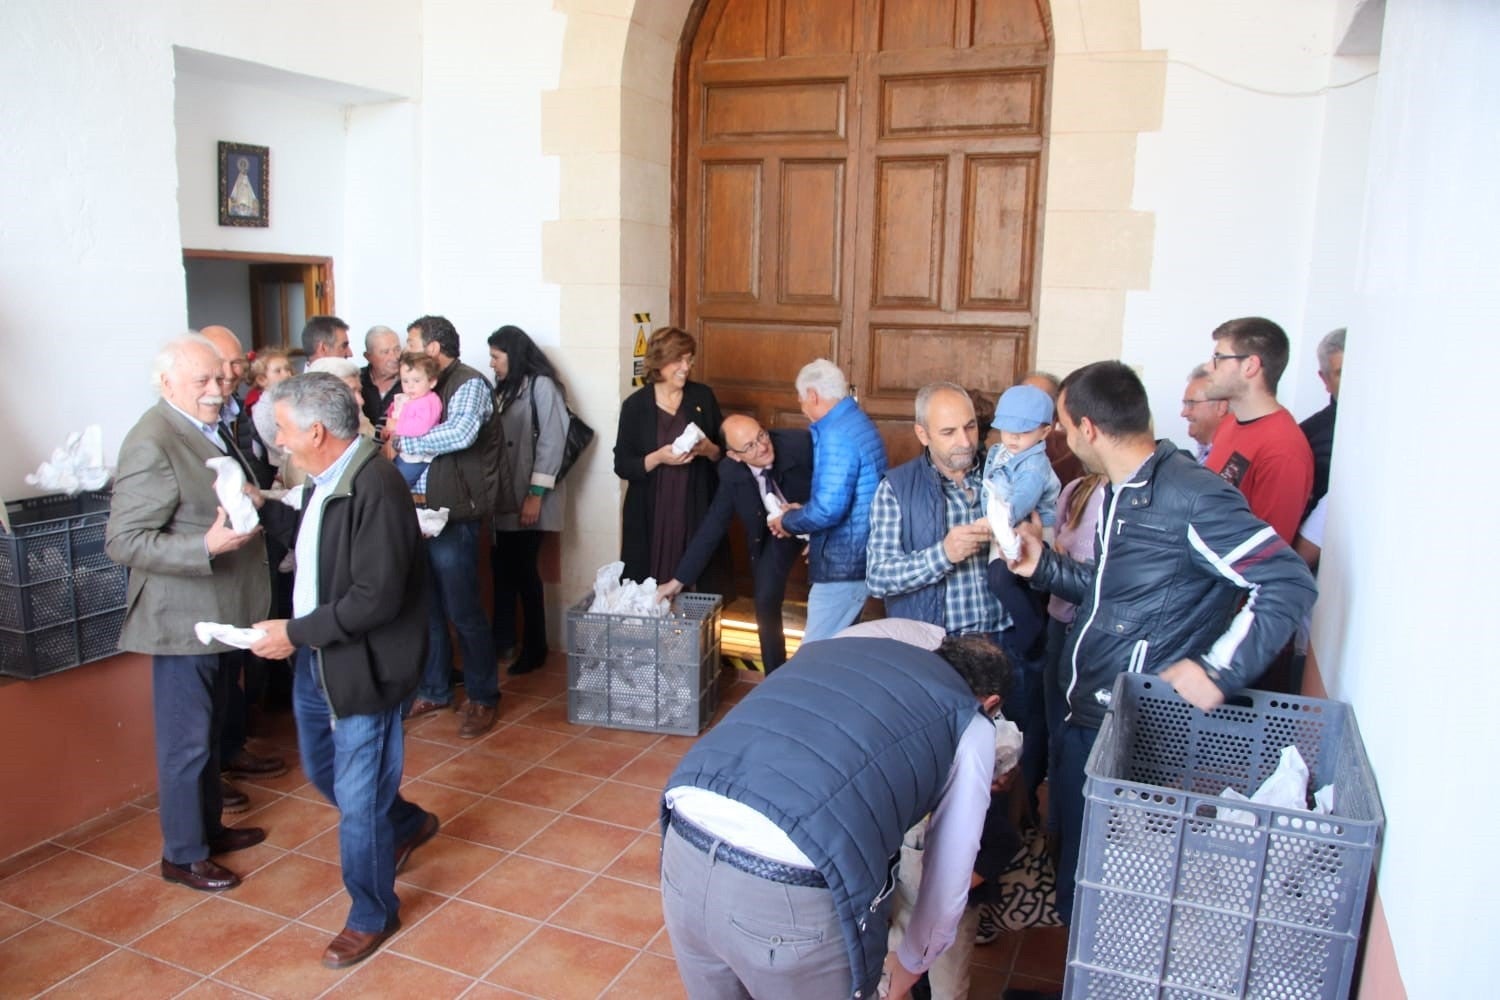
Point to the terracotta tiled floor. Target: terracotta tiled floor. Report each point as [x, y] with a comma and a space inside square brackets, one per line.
[542, 882]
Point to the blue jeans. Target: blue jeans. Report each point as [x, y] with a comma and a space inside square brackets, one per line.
[188, 697]
[1065, 799]
[833, 607]
[356, 762]
[1025, 707]
[453, 593]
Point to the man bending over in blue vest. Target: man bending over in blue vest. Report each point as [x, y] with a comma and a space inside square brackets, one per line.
[782, 824]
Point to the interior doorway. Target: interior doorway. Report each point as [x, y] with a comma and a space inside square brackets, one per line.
[264, 298]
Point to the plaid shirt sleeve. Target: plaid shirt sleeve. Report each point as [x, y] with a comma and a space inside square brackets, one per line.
[468, 409]
[888, 569]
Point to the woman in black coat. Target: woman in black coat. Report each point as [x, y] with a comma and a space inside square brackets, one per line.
[667, 493]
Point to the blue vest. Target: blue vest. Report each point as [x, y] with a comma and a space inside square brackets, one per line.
[924, 522]
[844, 748]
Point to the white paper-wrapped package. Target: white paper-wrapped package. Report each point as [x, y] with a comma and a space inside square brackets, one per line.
[229, 484]
[229, 635]
[997, 512]
[432, 522]
[691, 435]
[1007, 746]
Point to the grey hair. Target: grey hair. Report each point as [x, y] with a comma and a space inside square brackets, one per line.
[925, 394]
[379, 331]
[319, 398]
[824, 376]
[1330, 345]
[1039, 373]
[172, 352]
[1199, 371]
[337, 367]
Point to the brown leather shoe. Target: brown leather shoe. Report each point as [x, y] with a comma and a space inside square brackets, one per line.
[247, 765]
[426, 832]
[230, 839]
[353, 946]
[205, 876]
[478, 720]
[231, 799]
[424, 706]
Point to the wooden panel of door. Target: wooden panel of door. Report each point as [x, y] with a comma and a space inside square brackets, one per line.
[898, 150]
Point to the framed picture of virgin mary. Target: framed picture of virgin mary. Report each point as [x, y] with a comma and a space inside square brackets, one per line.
[244, 185]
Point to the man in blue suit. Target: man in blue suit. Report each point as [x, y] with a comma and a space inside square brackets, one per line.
[778, 463]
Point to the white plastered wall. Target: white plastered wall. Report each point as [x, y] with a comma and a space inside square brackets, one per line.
[1255, 179]
[91, 277]
[1401, 628]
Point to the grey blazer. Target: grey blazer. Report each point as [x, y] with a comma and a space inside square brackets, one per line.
[518, 471]
[164, 503]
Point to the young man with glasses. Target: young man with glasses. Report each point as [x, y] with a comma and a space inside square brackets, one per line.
[776, 463]
[1261, 451]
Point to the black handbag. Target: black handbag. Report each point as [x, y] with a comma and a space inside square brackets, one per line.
[580, 436]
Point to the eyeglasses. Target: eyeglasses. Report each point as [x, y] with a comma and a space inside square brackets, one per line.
[761, 439]
[1216, 357]
[1194, 402]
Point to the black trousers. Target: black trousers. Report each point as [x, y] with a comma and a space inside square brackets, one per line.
[770, 572]
[518, 581]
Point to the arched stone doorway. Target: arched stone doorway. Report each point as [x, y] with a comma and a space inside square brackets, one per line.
[611, 124]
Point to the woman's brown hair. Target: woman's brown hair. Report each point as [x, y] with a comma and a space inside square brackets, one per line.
[667, 345]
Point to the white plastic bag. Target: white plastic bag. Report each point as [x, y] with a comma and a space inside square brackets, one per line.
[1284, 788]
[78, 465]
[616, 596]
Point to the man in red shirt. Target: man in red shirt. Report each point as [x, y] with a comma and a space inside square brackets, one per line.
[1262, 451]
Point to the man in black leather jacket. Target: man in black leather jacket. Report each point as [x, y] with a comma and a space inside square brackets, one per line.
[1186, 583]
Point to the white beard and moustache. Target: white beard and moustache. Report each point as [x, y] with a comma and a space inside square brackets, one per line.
[217, 402]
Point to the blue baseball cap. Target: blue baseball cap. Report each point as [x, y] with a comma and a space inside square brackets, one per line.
[1022, 408]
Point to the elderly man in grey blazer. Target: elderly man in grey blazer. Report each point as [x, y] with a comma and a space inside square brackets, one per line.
[187, 564]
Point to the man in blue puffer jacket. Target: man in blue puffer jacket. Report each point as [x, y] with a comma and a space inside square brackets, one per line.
[848, 463]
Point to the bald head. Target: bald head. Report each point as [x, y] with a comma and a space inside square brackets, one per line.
[233, 353]
[746, 441]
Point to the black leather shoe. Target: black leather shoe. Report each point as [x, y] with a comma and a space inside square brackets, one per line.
[231, 799]
[425, 832]
[205, 876]
[247, 765]
[235, 839]
[526, 663]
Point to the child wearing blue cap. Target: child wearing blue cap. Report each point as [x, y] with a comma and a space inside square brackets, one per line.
[1018, 471]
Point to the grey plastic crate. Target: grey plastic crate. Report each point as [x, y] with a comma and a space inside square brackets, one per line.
[1173, 902]
[45, 651]
[657, 675]
[58, 589]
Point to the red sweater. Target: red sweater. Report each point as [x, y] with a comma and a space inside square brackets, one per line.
[1268, 458]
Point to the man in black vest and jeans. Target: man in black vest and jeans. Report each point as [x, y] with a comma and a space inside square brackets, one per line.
[782, 823]
[463, 441]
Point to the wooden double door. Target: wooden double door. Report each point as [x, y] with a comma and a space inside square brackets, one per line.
[861, 180]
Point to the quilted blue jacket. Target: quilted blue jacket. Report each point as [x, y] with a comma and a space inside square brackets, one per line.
[848, 463]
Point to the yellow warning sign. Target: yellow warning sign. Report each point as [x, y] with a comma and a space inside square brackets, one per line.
[638, 366]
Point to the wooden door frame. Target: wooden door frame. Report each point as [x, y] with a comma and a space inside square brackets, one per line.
[318, 295]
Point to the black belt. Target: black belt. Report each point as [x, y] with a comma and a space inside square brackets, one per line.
[750, 864]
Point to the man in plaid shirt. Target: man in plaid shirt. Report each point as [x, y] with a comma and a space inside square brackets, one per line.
[929, 543]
